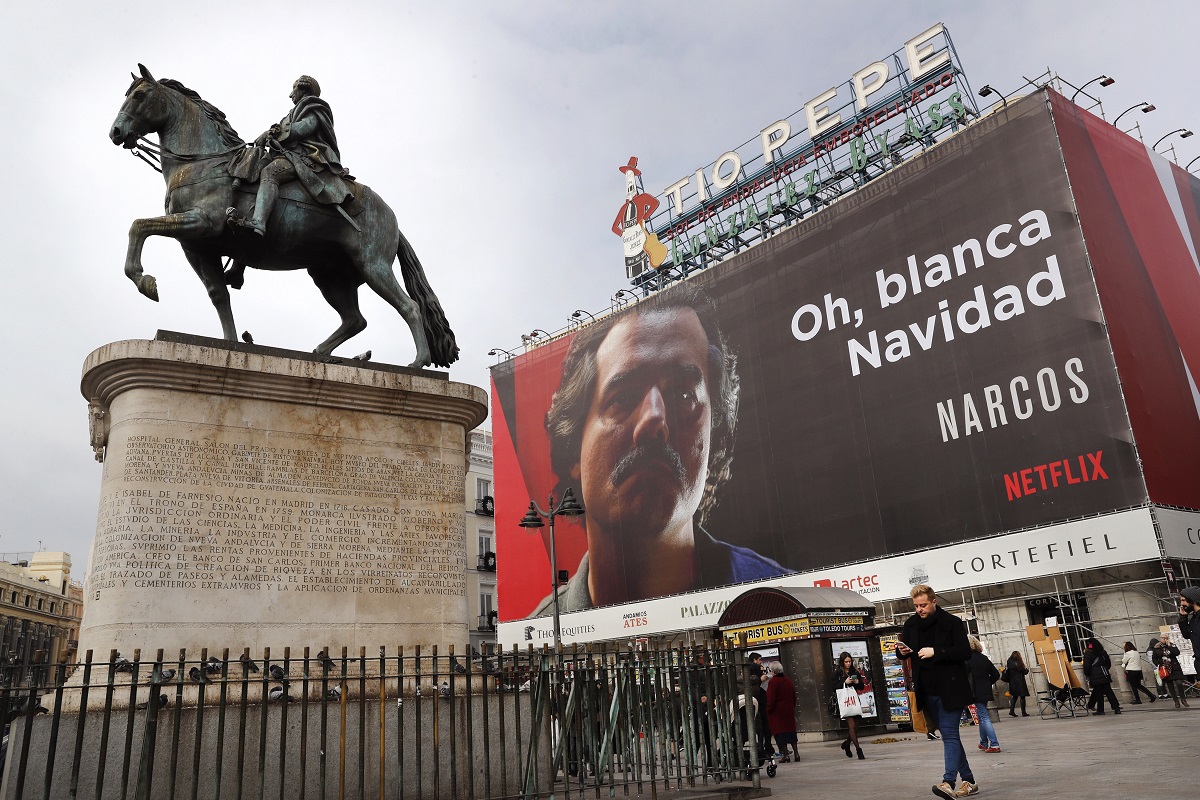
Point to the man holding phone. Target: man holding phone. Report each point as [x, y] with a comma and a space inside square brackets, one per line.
[1189, 615]
[935, 643]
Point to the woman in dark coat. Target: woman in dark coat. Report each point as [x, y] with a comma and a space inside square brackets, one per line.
[1096, 664]
[1018, 687]
[847, 676]
[1167, 654]
[781, 711]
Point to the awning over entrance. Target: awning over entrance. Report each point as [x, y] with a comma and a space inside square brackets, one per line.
[782, 602]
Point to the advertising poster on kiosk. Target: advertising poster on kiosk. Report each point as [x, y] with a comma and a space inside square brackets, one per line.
[862, 661]
[923, 364]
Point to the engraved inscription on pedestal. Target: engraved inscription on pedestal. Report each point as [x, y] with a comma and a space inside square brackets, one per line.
[230, 519]
[247, 521]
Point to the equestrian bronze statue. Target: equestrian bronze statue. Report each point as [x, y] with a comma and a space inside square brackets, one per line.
[286, 202]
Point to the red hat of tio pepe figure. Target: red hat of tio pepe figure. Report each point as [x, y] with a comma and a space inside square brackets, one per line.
[631, 166]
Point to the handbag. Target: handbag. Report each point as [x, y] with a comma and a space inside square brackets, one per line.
[848, 703]
[1164, 671]
[1004, 676]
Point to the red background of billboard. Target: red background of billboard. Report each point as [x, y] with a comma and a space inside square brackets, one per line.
[1149, 290]
[526, 475]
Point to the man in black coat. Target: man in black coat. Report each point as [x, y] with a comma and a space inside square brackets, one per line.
[1189, 615]
[757, 686]
[938, 640]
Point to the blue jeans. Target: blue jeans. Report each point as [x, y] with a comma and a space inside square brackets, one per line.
[952, 750]
[987, 731]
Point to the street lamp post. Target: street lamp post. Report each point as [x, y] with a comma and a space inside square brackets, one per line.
[568, 507]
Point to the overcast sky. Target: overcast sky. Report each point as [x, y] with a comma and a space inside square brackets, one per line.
[493, 129]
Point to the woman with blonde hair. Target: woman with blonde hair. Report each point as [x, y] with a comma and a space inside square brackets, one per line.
[983, 675]
[1166, 658]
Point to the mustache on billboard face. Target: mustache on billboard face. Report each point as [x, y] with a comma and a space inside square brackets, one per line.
[644, 455]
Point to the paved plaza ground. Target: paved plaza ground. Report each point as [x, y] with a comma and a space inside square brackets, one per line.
[1149, 751]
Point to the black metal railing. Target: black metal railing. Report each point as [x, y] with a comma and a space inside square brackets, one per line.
[406, 724]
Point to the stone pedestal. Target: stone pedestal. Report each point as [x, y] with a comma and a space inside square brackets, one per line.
[255, 497]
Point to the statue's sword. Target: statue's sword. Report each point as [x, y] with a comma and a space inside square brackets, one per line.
[348, 218]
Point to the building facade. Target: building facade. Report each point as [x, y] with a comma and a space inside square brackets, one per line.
[40, 609]
[975, 372]
[481, 541]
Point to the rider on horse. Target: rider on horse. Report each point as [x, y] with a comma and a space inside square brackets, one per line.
[302, 146]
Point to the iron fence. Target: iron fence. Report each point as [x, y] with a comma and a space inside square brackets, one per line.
[402, 724]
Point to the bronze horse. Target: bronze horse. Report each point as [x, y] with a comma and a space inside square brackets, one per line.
[196, 146]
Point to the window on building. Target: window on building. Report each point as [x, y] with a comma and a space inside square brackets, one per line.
[13, 598]
[28, 600]
[483, 488]
[485, 542]
[487, 603]
[53, 605]
[41, 603]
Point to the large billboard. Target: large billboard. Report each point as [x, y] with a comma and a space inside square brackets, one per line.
[923, 364]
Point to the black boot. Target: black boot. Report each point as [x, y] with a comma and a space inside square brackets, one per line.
[846, 747]
[861, 757]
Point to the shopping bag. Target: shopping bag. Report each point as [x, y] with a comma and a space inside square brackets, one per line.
[848, 704]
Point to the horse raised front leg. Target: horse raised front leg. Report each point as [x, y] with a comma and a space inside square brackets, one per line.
[188, 225]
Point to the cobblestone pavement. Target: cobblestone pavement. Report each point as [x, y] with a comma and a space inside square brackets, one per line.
[1148, 751]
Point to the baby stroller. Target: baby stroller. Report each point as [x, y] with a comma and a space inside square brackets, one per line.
[766, 755]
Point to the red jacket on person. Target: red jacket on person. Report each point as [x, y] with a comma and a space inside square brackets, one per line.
[781, 705]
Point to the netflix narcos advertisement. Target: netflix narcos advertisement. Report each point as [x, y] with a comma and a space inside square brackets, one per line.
[922, 364]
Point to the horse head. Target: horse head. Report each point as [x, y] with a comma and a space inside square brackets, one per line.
[146, 109]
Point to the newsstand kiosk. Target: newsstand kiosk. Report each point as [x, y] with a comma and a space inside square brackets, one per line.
[806, 628]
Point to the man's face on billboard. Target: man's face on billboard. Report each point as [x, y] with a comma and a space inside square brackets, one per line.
[644, 454]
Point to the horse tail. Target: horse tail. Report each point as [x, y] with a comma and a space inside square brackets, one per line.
[443, 349]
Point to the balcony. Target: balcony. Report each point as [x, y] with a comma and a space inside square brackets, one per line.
[487, 562]
[487, 622]
[485, 506]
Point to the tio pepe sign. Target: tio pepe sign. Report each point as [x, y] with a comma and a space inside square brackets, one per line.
[922, 59]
